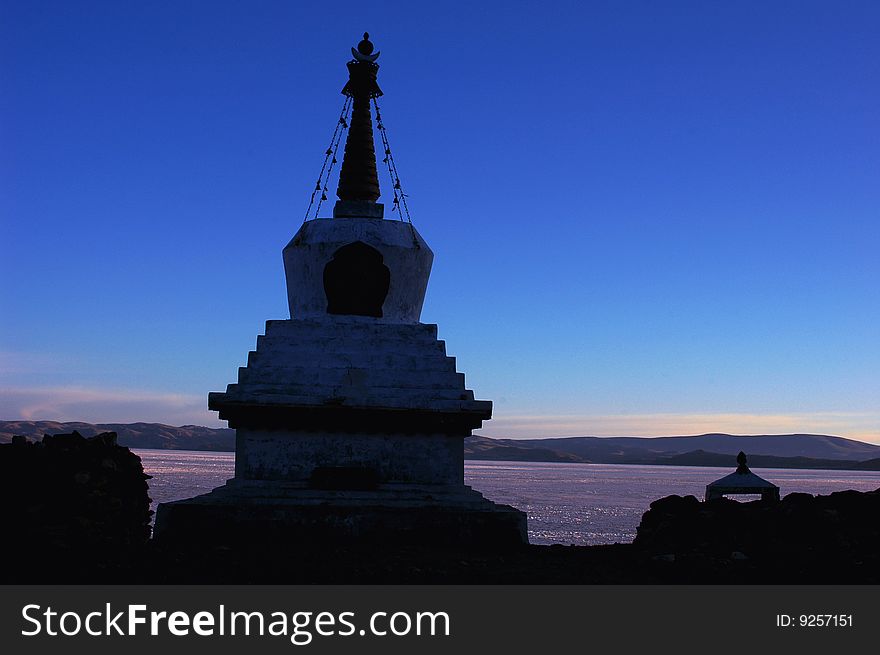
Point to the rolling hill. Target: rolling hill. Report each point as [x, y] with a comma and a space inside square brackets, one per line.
[133, 435]
[768, 451]
[647, 450]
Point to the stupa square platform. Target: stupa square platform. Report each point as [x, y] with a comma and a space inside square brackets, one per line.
[349, 392]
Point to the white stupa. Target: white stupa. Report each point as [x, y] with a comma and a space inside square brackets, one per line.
[350, 418]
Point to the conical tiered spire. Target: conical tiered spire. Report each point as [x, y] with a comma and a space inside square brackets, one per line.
[358, 188]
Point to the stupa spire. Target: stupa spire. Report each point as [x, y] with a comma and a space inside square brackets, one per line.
[358, 188]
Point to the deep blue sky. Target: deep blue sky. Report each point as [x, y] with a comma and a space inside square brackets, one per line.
[647, 218]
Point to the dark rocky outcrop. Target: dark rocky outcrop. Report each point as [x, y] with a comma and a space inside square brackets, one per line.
[803, 538]
[71, 507]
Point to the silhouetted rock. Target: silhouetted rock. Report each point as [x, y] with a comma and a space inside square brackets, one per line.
[803, 538]
[71, 506]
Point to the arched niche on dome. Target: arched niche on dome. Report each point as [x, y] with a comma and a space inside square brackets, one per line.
[356, 281]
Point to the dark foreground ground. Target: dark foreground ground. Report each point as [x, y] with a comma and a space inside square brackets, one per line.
[76, 510]
[616, 564]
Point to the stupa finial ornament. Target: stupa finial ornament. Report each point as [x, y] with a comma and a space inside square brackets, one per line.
[364, 50]
[358, 188]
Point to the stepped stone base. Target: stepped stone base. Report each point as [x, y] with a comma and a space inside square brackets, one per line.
[291, 515]
[351, 373]
[348, 430]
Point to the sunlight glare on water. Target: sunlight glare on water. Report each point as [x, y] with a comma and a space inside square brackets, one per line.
[583, 504]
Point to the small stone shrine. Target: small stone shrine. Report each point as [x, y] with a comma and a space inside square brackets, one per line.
[742, 481]
[350, 418]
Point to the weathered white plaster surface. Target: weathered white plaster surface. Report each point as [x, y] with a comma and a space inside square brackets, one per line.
[404, 252]
[351, 361]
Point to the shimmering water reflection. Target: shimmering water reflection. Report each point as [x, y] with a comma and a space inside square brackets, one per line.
[566, 503]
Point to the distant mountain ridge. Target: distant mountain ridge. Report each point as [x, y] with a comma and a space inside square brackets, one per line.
[609, 450]
[768, 451]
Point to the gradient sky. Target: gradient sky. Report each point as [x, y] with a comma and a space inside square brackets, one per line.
[648, 218]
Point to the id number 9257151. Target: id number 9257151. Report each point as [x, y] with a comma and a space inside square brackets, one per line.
[814, 620]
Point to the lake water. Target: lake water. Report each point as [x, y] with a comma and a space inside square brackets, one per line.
[583, 504]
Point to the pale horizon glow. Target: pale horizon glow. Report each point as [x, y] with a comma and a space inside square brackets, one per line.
[90, 405]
